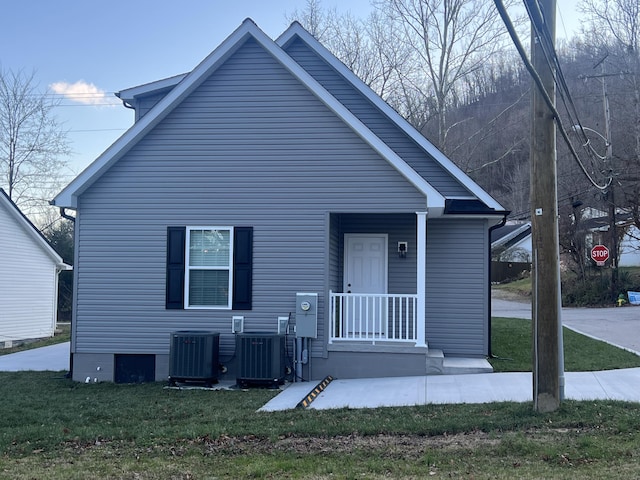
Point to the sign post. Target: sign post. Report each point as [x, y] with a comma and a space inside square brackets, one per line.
[600, 254]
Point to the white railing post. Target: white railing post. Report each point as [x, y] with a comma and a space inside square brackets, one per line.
[421, 283]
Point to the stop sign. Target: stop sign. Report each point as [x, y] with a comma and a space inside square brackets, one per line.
[600, 254]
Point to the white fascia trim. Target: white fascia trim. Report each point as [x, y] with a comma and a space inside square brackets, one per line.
[129, 94]
[297, 30]
[68, 197]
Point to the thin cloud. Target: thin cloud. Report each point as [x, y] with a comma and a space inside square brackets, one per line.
[83, 92]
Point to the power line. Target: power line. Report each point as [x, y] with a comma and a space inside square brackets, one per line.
[548, 101]
[553, 61]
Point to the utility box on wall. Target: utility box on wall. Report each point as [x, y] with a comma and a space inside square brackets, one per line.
[307, 315]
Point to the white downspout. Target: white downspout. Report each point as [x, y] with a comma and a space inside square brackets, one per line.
[421, 282]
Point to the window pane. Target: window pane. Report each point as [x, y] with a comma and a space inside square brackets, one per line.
[209, 287]
[209, 248]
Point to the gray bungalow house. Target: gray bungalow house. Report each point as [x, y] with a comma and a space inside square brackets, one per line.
[268, 171]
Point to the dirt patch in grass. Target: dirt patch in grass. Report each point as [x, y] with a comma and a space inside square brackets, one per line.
[510, 295]
[389, 446]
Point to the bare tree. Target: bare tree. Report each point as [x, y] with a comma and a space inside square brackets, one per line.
[32, 142]
[451, 39]
[369, 47]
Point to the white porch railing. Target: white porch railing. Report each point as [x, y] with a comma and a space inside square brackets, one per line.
[373, 317]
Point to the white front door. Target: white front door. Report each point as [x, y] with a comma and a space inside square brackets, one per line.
[365, 276]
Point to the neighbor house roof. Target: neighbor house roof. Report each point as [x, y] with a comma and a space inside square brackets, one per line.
[179, 87]
[23, 222]
[510, 234]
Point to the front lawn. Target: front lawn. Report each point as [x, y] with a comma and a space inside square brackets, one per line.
[511, 340]
[52, 428]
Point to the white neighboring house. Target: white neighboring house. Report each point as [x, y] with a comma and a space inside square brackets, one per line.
[630, 248]
[29, 278]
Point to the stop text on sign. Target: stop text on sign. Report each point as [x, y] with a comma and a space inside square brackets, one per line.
[600, 254]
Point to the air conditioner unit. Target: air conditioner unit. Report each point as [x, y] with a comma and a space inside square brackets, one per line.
[261, 359]
[194, 356]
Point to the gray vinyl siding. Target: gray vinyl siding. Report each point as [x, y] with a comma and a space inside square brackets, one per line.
[375, 120]
[250, 147]
[400, 228]
[457, 282]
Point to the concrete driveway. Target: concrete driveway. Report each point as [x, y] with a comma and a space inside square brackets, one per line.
[618, 326]
[53, 357]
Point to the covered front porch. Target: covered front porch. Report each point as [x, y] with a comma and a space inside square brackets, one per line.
[376, 311]
[377, 267]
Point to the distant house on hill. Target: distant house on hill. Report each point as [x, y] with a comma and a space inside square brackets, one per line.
[597, 233]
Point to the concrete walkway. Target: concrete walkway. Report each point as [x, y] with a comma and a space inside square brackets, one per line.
[53, 357]
[617, 326]
[449, 389]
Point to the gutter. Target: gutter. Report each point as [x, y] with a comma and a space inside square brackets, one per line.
[64, 214]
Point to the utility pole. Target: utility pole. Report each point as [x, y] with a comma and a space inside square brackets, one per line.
[609, 195]
[548, 379]
[613, 231]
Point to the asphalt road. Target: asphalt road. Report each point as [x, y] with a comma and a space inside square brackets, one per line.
[618, 326]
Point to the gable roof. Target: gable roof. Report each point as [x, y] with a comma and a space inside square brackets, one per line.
[181, 86]
[297, 31]
[23, 222]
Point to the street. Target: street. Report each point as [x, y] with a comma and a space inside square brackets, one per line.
[619, 326]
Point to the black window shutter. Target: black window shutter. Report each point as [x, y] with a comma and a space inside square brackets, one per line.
[175, 267]
[242, 268]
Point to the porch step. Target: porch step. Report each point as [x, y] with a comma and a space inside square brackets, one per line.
[457, 365]
[437, 364]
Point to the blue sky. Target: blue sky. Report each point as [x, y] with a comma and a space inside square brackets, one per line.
[103, 47]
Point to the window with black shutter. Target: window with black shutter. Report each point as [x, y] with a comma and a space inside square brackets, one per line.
[209, 267]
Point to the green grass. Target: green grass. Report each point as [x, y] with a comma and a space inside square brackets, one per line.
[520, 287]
[53, 428]
[511, 340]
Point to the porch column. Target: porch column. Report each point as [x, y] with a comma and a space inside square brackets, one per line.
[421, 282]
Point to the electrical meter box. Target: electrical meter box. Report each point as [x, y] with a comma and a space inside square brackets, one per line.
[307, 315]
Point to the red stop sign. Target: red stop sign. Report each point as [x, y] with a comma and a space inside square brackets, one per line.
[600, 254]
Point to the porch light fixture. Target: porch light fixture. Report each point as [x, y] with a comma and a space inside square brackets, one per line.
[402, 249]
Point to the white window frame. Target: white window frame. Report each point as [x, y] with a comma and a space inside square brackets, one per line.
[188, 269]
